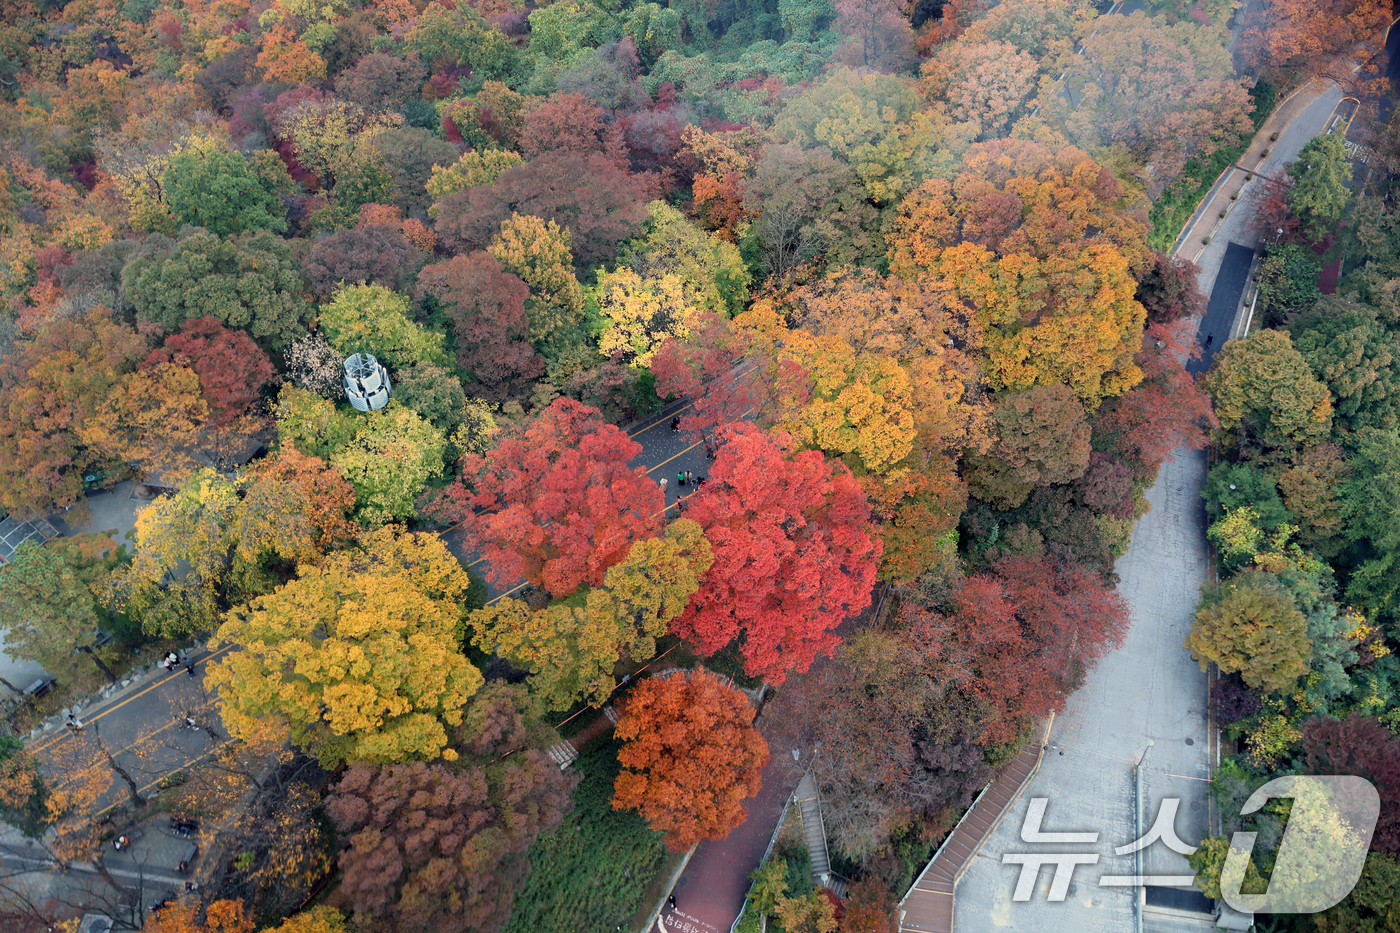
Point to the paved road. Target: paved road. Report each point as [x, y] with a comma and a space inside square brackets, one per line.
[1150, 689]
[140, 724]
[1223, 310]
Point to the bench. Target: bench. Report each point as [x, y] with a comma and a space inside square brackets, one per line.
[40, 687]
[190, 852]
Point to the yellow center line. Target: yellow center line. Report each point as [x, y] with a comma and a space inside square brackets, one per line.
[142, 790]
[127, 748]
[134, 696]
[674, 414]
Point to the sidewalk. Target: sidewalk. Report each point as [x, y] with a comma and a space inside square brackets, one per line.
[710, 892]
[1303, 115]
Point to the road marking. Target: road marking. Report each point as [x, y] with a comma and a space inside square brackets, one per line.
[674, 414]
[128, 747]
[142, 790]
[135, 696]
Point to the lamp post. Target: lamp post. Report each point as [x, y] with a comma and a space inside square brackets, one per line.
[1137, 819]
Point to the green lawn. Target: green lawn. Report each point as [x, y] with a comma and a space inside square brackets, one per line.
[591, 873]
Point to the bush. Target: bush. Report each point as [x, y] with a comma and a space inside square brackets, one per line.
[1233, 700]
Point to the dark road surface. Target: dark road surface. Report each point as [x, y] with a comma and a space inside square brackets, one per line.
[1224, 302]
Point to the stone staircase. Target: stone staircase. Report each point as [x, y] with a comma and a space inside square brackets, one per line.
[813, 829]
[563, 754]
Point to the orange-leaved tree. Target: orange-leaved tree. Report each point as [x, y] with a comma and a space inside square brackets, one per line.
[557, 502]
[691, 758]
[1043, 248]
[224, 916]
[50, 386]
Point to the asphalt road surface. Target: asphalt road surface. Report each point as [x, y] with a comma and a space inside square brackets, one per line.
[1219, 320]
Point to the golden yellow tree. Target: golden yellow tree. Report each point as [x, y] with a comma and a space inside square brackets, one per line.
[572, 646]
[152, 418]
[358, 656]
[539, 252]
[642, 313]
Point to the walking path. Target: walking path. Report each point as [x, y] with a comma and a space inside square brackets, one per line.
[928, 906]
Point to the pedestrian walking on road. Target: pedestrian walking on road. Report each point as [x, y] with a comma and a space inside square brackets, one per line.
[671, 902]
[676, 424]
[690, 477]
[1209, 339]
[74, 723]
[662, 483]
[680, 477]
[189, 669]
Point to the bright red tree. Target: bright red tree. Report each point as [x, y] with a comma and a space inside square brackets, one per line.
[557, 503]
[794, 554]
[1167, 410]
[232, 369]
[1066, 611]
[691, 757]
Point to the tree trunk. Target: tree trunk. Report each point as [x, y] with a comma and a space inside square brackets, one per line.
[136, 799]
[103, 667]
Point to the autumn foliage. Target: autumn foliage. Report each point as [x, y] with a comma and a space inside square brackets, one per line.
[556, 504]
[691, 757]
[1020, 639]
[232, 369]
[793, 553]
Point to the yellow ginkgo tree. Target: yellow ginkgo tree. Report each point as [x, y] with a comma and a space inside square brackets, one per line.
[357, 658]
[572, 646]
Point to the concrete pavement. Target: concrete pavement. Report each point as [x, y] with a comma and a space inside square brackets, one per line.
[1302, 116]
[1150, 689]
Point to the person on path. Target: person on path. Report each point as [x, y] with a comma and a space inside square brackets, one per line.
[662, 483]
[189, 669]
[75, 723]
[690, 477]
[671, 902]
[680, 477]
[676, 424]
[1209, 339]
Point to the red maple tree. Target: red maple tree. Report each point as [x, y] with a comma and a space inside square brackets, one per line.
[691, 757]
[1019, 640]
[1167, 410]
[232, 369]
[556, 503]
[707, 368]
[794, 553]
